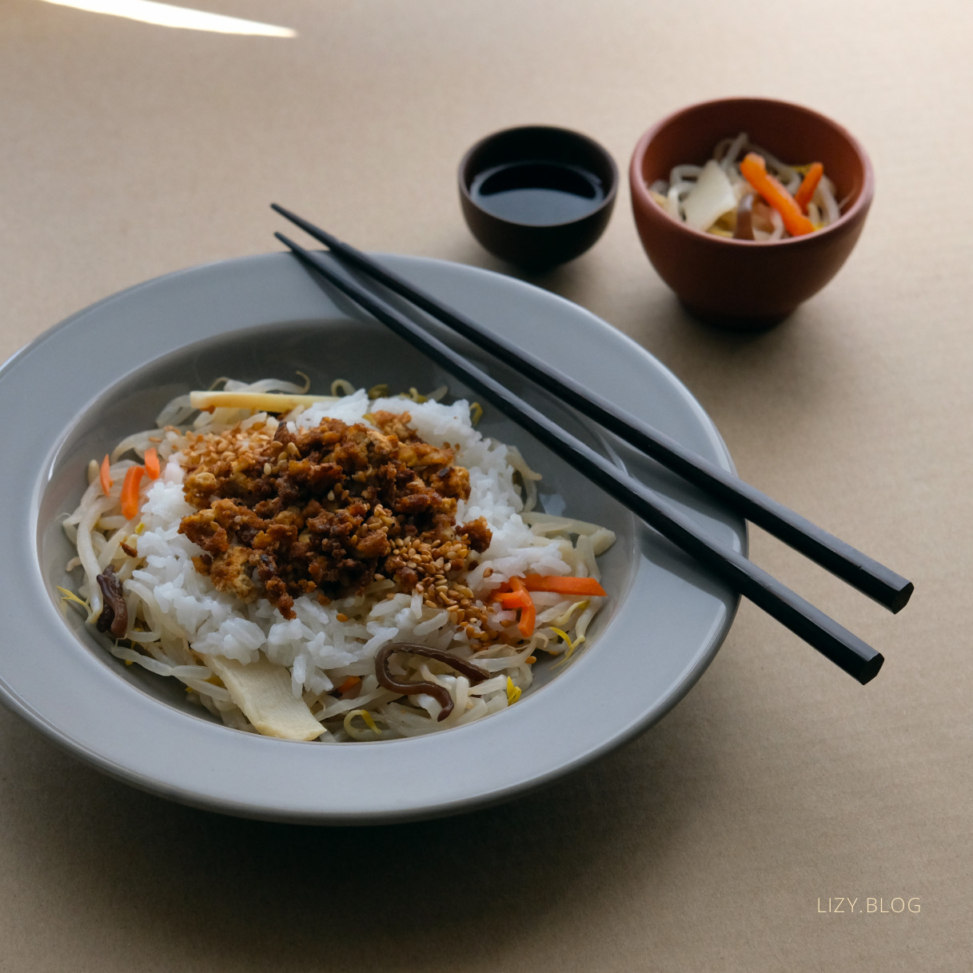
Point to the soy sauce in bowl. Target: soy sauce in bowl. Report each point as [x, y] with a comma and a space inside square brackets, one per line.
[537, 196]
[538, 193]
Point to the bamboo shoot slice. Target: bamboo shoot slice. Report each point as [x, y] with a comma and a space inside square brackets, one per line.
[279, 402]
[262, 690]
[710, 198]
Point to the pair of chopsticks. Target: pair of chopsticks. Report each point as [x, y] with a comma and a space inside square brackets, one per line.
[826, 635]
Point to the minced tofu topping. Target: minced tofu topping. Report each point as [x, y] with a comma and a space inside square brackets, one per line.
[328, 510]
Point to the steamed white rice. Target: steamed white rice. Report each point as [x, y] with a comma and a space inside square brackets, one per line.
[177, 618]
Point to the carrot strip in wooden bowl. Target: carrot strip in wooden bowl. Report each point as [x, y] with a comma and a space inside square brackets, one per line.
[754, 170]
[808, 185]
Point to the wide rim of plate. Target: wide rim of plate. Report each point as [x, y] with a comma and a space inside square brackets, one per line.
[81, 704]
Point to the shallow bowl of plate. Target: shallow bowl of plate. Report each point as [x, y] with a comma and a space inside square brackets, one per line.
[266, 316]
[748, 284]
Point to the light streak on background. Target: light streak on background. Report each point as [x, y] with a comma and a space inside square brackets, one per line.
[168, 15]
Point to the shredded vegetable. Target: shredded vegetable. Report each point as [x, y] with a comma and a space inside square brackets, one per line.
[368, 720]
[130, 492]
[513, 692]
[809, 184]
[277, 402]
[352, 682]
[754, 170]
[528, 613]
[515, 594]
[744, 192]
[508, 592]
[104, 474]
[152, 467]
[564, 585]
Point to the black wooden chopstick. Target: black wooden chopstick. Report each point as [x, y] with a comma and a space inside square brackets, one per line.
[857, 569]
[830, 638]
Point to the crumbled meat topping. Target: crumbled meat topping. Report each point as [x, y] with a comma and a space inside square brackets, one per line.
[328, 510]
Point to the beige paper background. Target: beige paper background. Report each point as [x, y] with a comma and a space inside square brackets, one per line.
[128, 151]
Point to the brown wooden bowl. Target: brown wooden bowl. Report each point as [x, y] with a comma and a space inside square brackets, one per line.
[743, 283]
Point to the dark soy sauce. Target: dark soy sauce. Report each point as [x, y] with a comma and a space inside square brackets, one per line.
[538, 193]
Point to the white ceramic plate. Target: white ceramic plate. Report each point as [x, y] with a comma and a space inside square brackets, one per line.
[79, 388]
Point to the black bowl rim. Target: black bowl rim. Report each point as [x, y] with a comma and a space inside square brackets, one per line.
[607, 202]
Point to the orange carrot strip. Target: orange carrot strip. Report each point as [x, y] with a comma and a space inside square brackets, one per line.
[511, 599]
[564, 586]
[130, 492]
[349, 684]
[754, 170]
[808, 184]
[104, 475]
[528, 618]
[152, 467]
[507, 595]
[528, 614]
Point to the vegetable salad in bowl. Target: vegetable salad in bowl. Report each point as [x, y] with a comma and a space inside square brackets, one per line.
[745, 192]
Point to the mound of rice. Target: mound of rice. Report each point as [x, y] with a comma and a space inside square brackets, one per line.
[181, 625]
